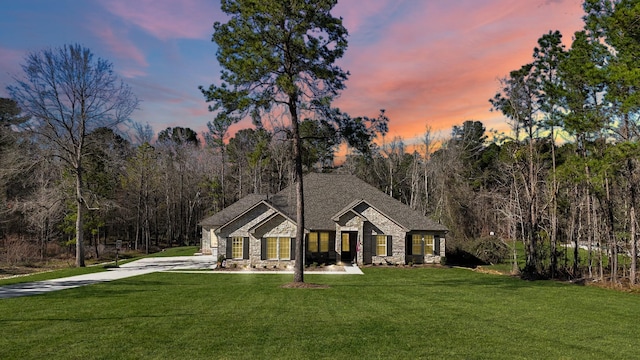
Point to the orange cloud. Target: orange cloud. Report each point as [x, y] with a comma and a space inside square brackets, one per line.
[438, 62]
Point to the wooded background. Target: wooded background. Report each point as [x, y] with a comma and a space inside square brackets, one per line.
[564, 176]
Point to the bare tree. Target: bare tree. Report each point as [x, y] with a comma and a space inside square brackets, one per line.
[218, 132]
[68, 93]
[141, 133]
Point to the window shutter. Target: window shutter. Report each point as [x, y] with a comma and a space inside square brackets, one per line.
[229, 253]
[367, 256]
[293, 249]
[389, 245]
[409, 244]
[263, 249]
[332, 245]
[436, 245]
[374, 245]
[245, 248]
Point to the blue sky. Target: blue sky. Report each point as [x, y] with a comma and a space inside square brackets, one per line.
[425, 62]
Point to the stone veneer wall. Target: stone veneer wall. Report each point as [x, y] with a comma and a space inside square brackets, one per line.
[436, 259]
[348, 222]
[241, 228]
[205, 243]
[379, 224]
[375, 223]
[279, 227]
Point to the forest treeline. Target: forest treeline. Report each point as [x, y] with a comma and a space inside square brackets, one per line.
[562, 180]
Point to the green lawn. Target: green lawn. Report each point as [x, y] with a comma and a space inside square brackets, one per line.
[176, 251]
[388, 313]
[53, 274]
[72, 271]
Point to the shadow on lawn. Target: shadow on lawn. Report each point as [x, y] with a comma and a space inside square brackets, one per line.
[122, 287]
[501, 281]
[465, 278]
[80, 288]
[42, 287]
[115, 317]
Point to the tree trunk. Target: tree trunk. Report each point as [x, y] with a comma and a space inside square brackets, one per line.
[632, 223]
[634, 246]
[590, 232]
[157, 220]
[79, 219]
[599, 244]
[182, 221]
[169, 228]
[613, 253]
[298, 272]
[96, 240]
[516, 209]
[222, 175]
[554, 209]
[577, 239]
[426, 189]
[533, 246]
[138, 210]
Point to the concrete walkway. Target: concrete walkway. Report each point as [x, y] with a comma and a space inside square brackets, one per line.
[134, 268]
[140, 267]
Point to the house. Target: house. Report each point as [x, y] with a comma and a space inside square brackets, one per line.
[346, 220]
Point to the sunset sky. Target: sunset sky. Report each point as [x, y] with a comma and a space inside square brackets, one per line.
[431, 62]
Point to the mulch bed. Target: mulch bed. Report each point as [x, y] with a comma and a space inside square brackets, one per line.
[332, 268]
[304, 285]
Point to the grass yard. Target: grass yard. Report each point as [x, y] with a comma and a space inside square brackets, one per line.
[72, 271]
[388, 313]
[176, 251]
[51, 274]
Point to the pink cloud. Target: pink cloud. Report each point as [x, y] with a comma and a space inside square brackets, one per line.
[123, 48]
[189, 19]
[202, 111]
[439, 63]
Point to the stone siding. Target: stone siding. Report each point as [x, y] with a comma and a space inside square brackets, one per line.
[379, 224]
[368, 222]
[205, 243]
[278, 226]
[363, 219]
[240, 227]
[436, 258]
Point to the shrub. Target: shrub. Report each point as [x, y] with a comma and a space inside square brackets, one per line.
[489, 249]
[18, 250]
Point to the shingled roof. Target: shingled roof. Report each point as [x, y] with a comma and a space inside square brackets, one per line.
[328, 194]
[232, 211]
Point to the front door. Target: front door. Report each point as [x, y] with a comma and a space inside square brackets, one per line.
[348, 246]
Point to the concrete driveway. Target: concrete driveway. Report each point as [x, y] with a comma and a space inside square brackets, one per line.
[134, 268]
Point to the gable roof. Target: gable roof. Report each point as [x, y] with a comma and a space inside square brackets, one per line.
[262, 202]
[329, 194]
[233, 211]
[351, 207]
